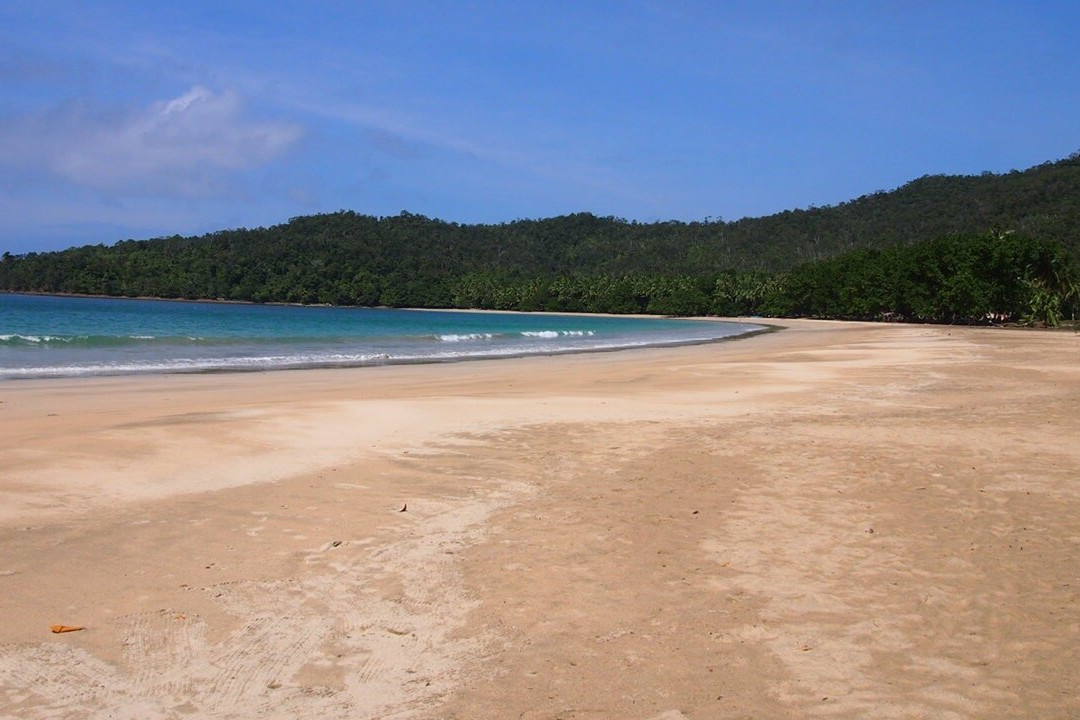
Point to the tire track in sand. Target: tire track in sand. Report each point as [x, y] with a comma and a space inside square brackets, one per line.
[160, 648]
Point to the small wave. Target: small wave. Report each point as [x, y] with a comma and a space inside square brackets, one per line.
[465, 337]
[548, 334]
[17, 339]
[200, 365]
[14, 340]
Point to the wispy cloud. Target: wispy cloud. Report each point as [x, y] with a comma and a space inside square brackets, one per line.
[186, 145]
[522, 150]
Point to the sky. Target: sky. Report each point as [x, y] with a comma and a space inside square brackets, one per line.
[142, 119]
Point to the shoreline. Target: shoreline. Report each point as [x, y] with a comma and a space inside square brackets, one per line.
[223, 301]
[715, 318]
[375, 358]
[763, 329]
[728, 529]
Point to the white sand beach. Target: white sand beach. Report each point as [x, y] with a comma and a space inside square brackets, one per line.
[838, 520]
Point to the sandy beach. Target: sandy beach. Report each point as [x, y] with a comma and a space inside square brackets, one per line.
[838, 520]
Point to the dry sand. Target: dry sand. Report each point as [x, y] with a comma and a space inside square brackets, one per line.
[838, 520]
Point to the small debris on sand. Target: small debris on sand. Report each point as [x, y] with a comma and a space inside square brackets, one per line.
[66, 628]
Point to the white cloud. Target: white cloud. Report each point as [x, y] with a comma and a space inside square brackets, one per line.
[186, 145]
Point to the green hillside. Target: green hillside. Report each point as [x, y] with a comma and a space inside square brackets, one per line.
[574, 262]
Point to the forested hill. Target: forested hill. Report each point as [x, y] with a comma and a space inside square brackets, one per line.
[407, 259]
[1042, 202]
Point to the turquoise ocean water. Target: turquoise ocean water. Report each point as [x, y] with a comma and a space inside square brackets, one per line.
[44, 336]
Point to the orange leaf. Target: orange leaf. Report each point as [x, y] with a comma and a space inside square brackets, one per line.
[66, 628]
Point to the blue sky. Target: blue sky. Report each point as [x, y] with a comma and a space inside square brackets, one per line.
[123, 120]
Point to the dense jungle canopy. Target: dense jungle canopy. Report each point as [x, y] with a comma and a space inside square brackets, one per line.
[969, 249]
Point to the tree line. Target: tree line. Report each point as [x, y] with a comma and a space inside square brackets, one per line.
[868, 258]
[971, 279]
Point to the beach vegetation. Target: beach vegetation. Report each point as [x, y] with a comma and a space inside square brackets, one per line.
[971, 249]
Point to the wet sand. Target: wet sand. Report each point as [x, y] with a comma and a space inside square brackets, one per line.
[837, 520]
